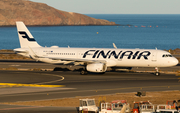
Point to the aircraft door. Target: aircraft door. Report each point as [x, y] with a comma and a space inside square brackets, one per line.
[78, 54]
[154, 56]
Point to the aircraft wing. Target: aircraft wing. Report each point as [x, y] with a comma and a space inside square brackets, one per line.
[76, 60]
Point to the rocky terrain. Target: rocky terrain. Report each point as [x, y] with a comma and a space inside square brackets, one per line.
[40, 14]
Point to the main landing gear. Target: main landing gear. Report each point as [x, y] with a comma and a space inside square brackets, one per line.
[157, 71]
[83, 72]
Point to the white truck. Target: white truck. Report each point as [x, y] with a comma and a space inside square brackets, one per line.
[166, 109]
[116, 106]
[87, 106]
[147, 108]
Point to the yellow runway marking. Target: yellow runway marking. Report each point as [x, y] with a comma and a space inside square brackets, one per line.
[29, 85]
[5, 85]
[62, 78]
[58, 80]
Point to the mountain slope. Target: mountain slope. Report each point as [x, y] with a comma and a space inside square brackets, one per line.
[32, 13]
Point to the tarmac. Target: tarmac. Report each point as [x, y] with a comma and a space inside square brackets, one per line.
[70, 84]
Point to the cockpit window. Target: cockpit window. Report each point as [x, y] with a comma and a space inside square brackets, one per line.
[167, 55]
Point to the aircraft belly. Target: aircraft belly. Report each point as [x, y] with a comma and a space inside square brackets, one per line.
[133, 63]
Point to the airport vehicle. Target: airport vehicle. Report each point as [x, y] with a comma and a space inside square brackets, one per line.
[166, 109]
[93, 59]
[143, 107]
[87, 105]
[116, 106]
[147, 108]
[170, 104]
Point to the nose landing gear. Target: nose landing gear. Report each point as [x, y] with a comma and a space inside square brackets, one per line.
[157, 71]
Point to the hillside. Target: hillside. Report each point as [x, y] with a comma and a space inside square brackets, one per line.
[32, 13]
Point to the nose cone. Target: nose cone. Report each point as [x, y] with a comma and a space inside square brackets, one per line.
[174, 62]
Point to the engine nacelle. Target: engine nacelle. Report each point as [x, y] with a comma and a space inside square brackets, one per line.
[96, 67]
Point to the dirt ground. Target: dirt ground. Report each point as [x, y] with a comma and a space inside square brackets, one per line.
[153, 97]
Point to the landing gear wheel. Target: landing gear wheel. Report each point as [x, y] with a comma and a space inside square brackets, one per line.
[83, 72]
[157, 73]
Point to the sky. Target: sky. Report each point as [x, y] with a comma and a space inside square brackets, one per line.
[116, 6]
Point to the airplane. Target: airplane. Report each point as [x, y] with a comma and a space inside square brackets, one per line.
[93, 59]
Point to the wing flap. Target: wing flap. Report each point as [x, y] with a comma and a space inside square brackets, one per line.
[76, 59]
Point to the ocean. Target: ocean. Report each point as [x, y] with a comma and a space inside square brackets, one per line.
[146, 31]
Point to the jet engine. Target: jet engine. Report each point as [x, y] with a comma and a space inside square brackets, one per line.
[96, 67]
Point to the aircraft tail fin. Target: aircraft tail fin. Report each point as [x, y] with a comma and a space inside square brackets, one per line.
[25, 37]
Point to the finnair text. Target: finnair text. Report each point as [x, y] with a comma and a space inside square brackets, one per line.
[117, 55]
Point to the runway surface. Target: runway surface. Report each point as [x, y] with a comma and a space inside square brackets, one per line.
[75, 85]
[81, 85]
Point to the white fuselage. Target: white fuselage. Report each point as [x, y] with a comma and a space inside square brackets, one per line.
[112, 57]
[94, 59]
